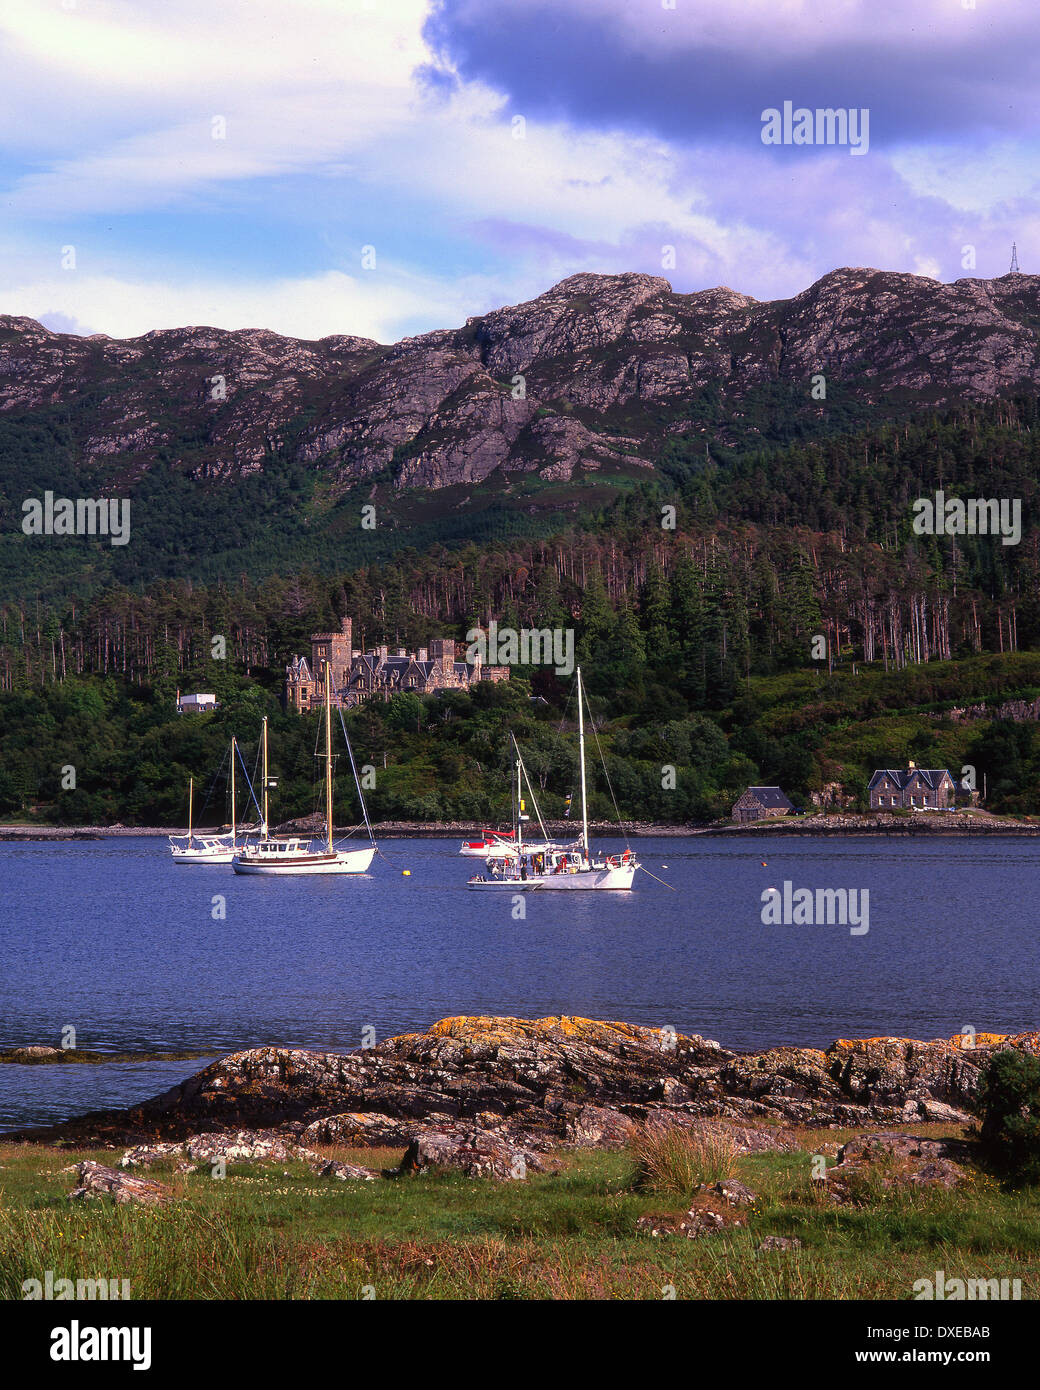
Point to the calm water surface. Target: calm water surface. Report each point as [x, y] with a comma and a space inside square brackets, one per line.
[113, 938]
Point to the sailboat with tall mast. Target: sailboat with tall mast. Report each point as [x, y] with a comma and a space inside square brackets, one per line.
[509, 867]
[207, 849]
[282, 855]
[565, 868]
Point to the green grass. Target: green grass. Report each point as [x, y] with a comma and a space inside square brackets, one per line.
[669, 1159]
[276, 1231]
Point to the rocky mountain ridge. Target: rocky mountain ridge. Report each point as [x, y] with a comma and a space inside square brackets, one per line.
[591, 375]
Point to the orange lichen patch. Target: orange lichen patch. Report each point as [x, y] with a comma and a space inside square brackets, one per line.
[505, 1030]
[966, 1042]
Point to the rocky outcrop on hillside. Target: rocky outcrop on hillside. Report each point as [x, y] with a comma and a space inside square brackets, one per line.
[537, 1085]
[589, 375]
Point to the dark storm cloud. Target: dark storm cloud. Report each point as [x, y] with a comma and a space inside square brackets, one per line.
[556, 61]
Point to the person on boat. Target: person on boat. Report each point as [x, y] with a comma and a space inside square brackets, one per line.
[523, 870]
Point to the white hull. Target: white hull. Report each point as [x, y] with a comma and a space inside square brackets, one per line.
[585, 879]
[201, 856]
[352, 861]
[511, 885]
[619, 878]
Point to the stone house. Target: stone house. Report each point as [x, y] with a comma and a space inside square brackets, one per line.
[379, 673]
[761, 803]
[911, 788]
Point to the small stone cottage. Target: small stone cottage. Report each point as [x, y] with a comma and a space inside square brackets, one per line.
[761, 803]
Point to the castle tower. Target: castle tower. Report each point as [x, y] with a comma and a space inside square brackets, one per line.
[335, 648]
[442, 654]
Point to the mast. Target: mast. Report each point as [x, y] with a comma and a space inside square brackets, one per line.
[233, 844]
[263, 828]
[581, 746]
[328, 756]
[519, 814]
[191, 797]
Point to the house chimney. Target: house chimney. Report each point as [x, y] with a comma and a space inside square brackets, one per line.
[422, 654]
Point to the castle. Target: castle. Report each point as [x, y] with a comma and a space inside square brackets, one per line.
[358, 676]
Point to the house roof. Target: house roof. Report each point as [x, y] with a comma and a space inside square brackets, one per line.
[901, 776]
[771, 797]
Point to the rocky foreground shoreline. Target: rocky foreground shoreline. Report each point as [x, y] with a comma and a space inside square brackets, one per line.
[534, 1085]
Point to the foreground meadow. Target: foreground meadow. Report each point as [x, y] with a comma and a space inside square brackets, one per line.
[275, 1231]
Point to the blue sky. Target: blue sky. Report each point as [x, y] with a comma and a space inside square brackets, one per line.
[392, 125]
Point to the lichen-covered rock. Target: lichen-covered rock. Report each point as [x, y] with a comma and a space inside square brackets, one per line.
[889, 1072]
[144, 1155]
[478, 1153]
[892, 1160]
[733, 1193]
[241, 1146]
[342, 1172]
[779, 1243]
[704, 1218]
[97, 1181]
[541, 1083]
[35, 1052]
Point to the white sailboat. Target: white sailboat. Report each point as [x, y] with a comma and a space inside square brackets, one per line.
[564, 868]
[283, 855]
[207, 849]
[500, 844]
[508, 866]
[490, 842]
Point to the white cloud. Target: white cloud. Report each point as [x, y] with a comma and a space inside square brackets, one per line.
[109, 107]
[379, 306]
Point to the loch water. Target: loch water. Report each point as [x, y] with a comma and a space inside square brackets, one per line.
[132, 951]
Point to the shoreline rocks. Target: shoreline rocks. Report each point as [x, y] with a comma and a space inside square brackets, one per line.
[550, 1083]
[37, 1054]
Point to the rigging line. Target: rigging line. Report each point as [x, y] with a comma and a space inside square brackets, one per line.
[257, 774]
[357, 784]
[353, 830]
[660, 880]
[617, 810]
[249, 784]
[558, 732]
[554, 748]
[527, 779]
[213, 780]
